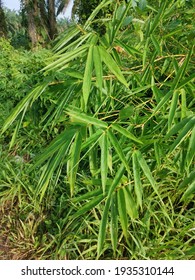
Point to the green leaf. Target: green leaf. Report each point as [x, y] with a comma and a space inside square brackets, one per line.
[73, 162]
[130, 204]
[114, 222]
[98, 67]
[156, 44]
[190, 190]
[122, 211]
[183, 134]
[53, 163]
[147, 172]
[188, 180]
[159, 16]
[87, 196]
[173, 108]
[126, 133]
[92, 139]
[103, 4]
[118, 149]
[72, 32]
[104, 221]
[191, 148]
[182, 70]
[128, 48]
[137, 181]
[88, 206]
[163, 101]
[103, 225]
[64, 59]
[112, 65]
[175, 129]
[84, 118]
[104, 160]
[61, 140]
[24, 104]
[88, 76]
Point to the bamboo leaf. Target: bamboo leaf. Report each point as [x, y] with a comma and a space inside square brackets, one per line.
[72, 32]
[156, 44]
[104, 221]
[88, 206]
[191, 149]
[103, 4]
[73, 162]
[84, 118]
[122, 210]
[64, 59]
[103, 225]
[137, 181]
[190, 190]
[23, 105]
[182, 70]
[158, 17]
[173, 108]
[190, 179]
[98, 67]
[63, 139]
[49, 169]
[128, 48]
[118, 149]
[88, 76]
[104, 160]
[175, 129]
[93, 138]
[126, 133]
[87, 196]
[183, 134]
[114, 222]
[112, 65]
[147, 172]
[163, 101]
[130, 204]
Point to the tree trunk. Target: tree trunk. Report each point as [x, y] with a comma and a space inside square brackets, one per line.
[52, 19]
[32, 14]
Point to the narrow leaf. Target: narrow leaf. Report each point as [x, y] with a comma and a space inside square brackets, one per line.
[126, 133]
[190, 190]
[88, 75]
[137, 181]
[88, 206]
[118, 149]
[84, 118]
[173, 108]
[114, 222]
[147, 172]
[183, 134]
[98, 67]
[122, 210]
[73, 162]
[191, 148]
[104, 160]
[131, 206]
[112, 65]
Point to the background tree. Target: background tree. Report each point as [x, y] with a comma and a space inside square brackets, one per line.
[39, 17]
[3, 26]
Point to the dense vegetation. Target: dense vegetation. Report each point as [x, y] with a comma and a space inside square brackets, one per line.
[98, 151]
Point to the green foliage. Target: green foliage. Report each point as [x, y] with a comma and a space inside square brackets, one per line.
[16, 32]
[3, 25]
[122, 162]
